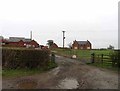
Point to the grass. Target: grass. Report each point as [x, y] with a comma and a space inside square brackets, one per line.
[81, 54]
[86, 55]
[26, 72]
[20, 72]
[51, 65]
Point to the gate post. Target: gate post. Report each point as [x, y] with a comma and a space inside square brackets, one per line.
[53, 57]
[93, 57]
[102, 58]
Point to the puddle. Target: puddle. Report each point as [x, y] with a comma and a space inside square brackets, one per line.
[69, 84]
[27, 84]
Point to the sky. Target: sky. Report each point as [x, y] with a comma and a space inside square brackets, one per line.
[93, 20]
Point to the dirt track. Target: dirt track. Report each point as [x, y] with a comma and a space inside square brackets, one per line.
[70, 74]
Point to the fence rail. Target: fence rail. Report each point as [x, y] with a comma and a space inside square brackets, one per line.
[106, 60]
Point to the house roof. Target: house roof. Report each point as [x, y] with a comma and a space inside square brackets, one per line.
[82, 42]
[27, 40]
[54, 45]
[17, 39]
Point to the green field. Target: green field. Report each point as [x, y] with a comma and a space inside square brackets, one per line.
[81, 54]
[85, 56]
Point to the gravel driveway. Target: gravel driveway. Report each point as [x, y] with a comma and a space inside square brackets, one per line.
[70, 74]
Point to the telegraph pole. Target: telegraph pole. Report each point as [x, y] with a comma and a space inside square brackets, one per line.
[63, 38]
[31, 35]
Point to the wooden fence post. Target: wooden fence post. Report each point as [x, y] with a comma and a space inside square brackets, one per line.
[113, 59]
[93, 57]
[102, 59]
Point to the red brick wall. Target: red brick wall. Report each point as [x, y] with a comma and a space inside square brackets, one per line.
[83, 46]
[34, 43]
[75, 45]
[54, 46]
[21, 44]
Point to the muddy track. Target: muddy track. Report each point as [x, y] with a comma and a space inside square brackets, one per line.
[70, 74]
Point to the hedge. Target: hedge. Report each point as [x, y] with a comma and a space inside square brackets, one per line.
[27, 58]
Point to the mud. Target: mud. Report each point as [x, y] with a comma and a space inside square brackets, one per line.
[70, 74]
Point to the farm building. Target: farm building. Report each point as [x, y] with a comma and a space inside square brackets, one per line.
[19, 42]
[81, 45]
[43, 47]
[54, 45]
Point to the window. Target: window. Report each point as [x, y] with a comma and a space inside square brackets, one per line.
[75, 47]
[28, 46]
[33, 45]
[25, 44]
[88, 47]
[81, 47]
[3, 43]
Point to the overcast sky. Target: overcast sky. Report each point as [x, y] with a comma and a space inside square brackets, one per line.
[93, 20]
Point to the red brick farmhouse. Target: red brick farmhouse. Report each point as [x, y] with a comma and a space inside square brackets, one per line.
[81, 45]
[19, 42]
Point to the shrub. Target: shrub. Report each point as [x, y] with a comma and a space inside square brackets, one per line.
[24, 58]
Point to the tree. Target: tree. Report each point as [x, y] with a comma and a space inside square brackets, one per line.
[70, 45]
[50, 42]
[110, 47]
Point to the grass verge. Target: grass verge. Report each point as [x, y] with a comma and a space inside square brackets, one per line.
[26, 72]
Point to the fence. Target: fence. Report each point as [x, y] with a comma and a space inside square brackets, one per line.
[105, 60]
[102, 57]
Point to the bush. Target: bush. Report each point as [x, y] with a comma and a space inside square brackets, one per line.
[24, 58]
